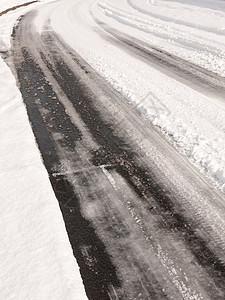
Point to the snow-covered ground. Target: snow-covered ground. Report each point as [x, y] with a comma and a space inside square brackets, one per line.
[35, 254]
[6, 4]
[193, 30]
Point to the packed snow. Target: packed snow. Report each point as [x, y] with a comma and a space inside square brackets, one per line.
[192, 121]
[36, 257]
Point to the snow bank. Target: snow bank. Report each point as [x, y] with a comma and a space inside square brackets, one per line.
[182, 28]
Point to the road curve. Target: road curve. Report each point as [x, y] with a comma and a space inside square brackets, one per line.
[142, 223]
[196, 77]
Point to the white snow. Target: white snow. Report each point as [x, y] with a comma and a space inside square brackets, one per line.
[35, 254]
[179, 27]
[193, 122]
[43, 267]
[6, 4]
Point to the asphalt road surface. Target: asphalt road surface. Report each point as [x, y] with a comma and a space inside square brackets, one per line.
[143, 224]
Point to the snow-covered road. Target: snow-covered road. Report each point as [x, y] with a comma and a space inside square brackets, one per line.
[126, 101]
[142, 222]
